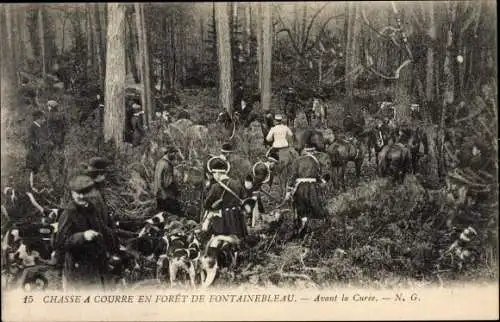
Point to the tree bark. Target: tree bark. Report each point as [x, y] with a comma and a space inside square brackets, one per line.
[41, 34]
[224, 56]
[173, 60]
[267, 40]
[352, 53]
[258, 22]
[8, 74]
[114, 112]
[248, 22]
[143, 62]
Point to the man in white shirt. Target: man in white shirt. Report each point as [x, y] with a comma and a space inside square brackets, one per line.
[281, 137]
[280, 134]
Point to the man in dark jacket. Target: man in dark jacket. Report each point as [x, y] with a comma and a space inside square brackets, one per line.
[83, 241]
[39, 146]
[165, 187]
[305, 187]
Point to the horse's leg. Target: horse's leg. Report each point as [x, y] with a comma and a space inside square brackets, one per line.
[358, 164]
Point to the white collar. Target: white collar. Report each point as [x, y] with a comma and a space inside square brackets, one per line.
[37, 124]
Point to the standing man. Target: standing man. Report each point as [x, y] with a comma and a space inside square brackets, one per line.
[223, 203]
[304, 187]
[39, 147]
[83, 242]
[137, 123]
[165, 187]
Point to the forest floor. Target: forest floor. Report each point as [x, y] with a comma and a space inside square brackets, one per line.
[379, 234]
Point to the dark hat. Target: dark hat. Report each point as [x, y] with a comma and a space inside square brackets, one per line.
[273, 154]
[217, 164]
[37, 114]
[81, 183]
[168, 149]
[227, 147]
[99, 164]
[261, 172]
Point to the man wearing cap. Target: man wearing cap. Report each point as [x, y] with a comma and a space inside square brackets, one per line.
[39, 146]
[164, 185]
[281, 137]
[137, 123]
[304, 187]
[56, 123]
[223, 203]
[83, 241]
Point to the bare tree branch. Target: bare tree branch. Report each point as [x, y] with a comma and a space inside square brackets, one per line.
[476, 11]
[322, 30]
[306, 38]
[294, 44]
[373, 70]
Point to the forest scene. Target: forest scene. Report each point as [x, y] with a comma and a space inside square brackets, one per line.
[397, 99]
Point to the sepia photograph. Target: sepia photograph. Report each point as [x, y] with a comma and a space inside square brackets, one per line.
[338, 158]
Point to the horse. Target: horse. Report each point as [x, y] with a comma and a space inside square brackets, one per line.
[319, 110]
[395, 161]
[412, 138]
[341, 152]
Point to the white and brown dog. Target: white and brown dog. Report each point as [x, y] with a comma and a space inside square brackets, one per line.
[182, 254]
[209, 260]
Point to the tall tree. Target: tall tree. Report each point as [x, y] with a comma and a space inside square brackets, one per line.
[352, 49]
[114, 112]
[267, 40]
[224, 56]
[144, 62]
[41, 34]
[8, 73]
[258, 22]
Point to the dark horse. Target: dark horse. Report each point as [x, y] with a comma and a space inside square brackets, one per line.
[296, 100]
[395, 161]
[413, 138]
[341, 152]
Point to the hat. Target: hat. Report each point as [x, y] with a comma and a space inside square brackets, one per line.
[261, 171]
[99, 164]
[52, 103]
[217, 164]
[168, 149]
[278, 117]
[227, 147]
[81, 183]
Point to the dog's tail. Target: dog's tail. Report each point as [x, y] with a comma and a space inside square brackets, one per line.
[209, 263]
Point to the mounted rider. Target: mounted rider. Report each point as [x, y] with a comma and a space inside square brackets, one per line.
[281, 138]
[305, 187]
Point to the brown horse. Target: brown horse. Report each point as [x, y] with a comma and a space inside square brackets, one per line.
[395, 161]
[341, 152]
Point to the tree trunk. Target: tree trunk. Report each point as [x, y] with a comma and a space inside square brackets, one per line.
[88, 33]
[96, 43]
[143, 63]
[351, 54]
[259, 26]
[430, 78]
[224, 56]
[42, 40]
[173, 60]
[114, 113]
[248, 23]
[267, 39]
[99, 44]
[8, 73]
